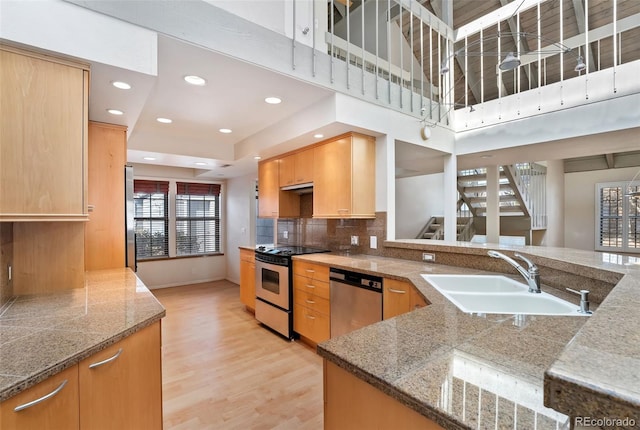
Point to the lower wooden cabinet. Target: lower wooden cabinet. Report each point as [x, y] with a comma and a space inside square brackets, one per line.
[121, 386]
[350, 403]
[311, 310]
[399, 297]
[248, 278]
[58, 411]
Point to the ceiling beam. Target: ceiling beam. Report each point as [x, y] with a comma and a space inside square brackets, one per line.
[611, 160]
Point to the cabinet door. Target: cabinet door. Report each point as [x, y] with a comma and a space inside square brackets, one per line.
[123, 389]
[268, 189]
[287, 170]
[57, 411]
[332, 179]
[43, 127]
[396, 298]
[248, 278]
[304, 166]
[104, 246]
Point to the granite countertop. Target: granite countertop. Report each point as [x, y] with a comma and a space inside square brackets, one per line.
[44, 334]
[470, 371]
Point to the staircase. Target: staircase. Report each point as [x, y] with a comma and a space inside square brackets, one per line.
[434, 229]
[472, 186]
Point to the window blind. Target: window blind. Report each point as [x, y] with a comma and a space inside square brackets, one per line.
[151, 215]
[197, 218]
[618, 223]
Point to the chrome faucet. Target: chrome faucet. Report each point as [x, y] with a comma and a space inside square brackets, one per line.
[532, 274]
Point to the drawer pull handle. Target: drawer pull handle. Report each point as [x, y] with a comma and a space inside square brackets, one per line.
[393, 290]
[108, 360]
[310, 286]
[310, 271]
[310, 301]
[311, 317]
[41, 399]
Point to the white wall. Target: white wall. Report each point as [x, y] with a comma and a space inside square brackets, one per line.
[185, 270]
[580, 204]
[240, 225]
[418, 198]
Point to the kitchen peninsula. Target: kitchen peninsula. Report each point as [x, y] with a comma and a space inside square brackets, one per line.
[73, 336]
[464, 371]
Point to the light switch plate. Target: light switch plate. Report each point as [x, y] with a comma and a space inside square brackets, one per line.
[285, 234]
[373, 242]
[354, 240]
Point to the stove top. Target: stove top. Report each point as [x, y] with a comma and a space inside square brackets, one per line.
[289, 250]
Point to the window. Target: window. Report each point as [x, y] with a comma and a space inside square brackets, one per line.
[151, 217]
[197, 218]
[618, 218]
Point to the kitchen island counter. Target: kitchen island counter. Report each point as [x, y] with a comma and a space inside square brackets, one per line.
[470, 371]
[44, 334]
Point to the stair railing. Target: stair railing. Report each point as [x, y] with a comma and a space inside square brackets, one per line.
[531, 180]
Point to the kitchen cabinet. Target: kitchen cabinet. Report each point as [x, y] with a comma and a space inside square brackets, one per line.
[43, 137]
[121, 386]
[344, 178]
[311, 314]
[104, 245]
[58, 411]
[248, 278]
[296, 168]
[399, 297]
[273, 202]
[351, 403]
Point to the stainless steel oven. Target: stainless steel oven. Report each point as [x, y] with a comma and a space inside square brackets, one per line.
[274, 286]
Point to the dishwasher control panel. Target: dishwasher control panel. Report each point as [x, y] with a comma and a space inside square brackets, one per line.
[356, 279]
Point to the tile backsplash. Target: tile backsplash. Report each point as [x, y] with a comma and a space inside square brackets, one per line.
[333, 234]
[6, 259]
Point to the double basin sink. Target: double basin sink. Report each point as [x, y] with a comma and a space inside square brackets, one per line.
[494, 294]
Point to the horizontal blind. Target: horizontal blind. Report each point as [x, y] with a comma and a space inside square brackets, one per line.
[151, 215]
[610, 214]
[197, 218]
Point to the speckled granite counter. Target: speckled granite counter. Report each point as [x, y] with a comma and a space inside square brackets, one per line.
[466, 371]
[45, 334]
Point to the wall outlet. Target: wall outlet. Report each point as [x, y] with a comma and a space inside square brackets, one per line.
[373, 242]
[285, 234]
[354, 240]
[426, 256]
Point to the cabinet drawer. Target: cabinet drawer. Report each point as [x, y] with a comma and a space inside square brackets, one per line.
[311, 301]
[311, 270]
[315, 287]
[310, 324]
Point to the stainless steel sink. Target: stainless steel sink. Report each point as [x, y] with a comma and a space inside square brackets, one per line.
[491, 294]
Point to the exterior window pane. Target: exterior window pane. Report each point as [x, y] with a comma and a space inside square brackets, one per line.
[197, 220]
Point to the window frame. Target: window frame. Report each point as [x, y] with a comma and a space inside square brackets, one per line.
[625, 218]
[216, 197]
[152, 219]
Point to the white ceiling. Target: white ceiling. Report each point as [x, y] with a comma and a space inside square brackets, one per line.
[232, 98]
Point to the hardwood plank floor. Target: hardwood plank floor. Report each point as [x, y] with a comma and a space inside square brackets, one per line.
[222, 370]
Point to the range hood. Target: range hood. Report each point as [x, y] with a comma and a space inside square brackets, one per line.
[305, 188]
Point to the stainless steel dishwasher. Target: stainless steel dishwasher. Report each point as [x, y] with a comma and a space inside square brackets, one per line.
[356, 300]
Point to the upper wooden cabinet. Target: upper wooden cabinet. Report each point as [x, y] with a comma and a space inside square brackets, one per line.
[344, 178]
[104, 245]
[296, 168]
[43, 137]
[272, 202]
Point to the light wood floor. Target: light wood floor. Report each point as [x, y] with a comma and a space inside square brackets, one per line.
[222, 370]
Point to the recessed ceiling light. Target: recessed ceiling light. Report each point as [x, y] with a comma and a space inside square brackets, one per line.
[273, 100]
[257, 157]
[121, 85]
[318, 136]
[195, 80]
[200, 163]
[225, 130]
[149, 158]
[164, 120]
[115, 112]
